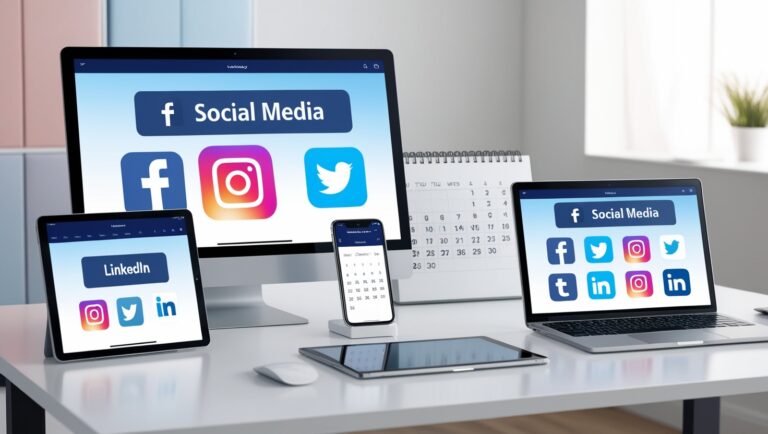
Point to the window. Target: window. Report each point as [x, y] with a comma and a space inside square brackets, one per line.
[655, 70]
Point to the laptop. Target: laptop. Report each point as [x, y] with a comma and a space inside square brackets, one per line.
[620, 266]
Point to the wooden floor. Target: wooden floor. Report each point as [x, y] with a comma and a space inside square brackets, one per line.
[603, 421]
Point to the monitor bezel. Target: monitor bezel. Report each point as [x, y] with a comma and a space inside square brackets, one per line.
[69, 54]
[531, 317]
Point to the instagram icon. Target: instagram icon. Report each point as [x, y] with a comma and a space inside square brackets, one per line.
[639, 284]
[237, 182]
[93, 315]
[637, 249]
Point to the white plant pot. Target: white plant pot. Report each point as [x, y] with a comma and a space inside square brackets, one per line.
[752, 143]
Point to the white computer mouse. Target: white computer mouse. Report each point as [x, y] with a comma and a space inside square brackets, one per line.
[290, 373]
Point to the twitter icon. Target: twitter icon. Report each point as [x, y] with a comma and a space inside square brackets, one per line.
[598, 249]
[335, 177]
[129, 311]
[672, 247]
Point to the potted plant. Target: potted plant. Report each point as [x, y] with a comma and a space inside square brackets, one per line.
[746, 109]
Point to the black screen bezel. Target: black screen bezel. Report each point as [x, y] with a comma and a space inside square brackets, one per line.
[524, 354]
[530, 317]
[53, 309]
[69, 54]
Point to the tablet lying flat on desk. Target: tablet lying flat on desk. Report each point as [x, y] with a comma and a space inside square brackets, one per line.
[122, 283]
[393, 359]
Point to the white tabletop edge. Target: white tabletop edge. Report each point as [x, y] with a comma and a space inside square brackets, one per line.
[18, 372]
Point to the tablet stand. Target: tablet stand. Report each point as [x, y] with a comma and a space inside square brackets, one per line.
[340, 327]
[47, 347]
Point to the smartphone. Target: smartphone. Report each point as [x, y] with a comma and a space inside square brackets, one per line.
[361, 263]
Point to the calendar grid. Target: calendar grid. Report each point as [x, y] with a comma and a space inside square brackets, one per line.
[461, 220]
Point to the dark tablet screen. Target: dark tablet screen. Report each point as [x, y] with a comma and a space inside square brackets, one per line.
[397, 356]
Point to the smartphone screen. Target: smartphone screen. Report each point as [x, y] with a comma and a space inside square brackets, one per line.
[361, 259]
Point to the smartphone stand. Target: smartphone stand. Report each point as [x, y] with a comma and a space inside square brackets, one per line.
[340, 327]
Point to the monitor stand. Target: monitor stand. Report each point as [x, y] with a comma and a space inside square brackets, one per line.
[244, 306]
[233, 285]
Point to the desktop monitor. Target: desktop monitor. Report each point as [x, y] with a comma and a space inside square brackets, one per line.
[266, 147]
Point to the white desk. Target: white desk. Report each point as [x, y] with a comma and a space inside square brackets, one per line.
[215, 390]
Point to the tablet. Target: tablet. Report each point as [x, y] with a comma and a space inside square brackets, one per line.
[393, 359]
[122, 283]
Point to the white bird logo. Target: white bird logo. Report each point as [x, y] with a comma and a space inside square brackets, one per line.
[334, 181]
[599, 250]
[129, 312]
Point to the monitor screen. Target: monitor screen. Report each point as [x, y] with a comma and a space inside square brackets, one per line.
[123, 283]
[263, 151]
[605, 249]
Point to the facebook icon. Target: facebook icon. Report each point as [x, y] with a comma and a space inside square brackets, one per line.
[167, 111]
[575, 214]
[153, 181]
[560, 251]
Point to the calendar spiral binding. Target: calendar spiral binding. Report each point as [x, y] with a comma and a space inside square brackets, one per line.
[444, 157]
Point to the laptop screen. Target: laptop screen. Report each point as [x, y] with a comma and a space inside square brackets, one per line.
[614, 248]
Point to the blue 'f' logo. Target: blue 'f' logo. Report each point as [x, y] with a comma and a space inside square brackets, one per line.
[153, 181]
[560, 251]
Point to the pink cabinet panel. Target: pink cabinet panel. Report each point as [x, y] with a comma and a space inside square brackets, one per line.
[11, 84]
[48, 26]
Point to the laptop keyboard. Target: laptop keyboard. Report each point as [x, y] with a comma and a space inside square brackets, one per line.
[620, 326]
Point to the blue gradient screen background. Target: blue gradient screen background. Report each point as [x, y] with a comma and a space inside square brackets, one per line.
[538, 219]
[70, 291]
[107, 123]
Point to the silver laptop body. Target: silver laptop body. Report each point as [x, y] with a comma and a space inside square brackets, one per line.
[594, 254]
[660, 339]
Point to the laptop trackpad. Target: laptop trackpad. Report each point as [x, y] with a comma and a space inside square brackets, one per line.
[687, 336]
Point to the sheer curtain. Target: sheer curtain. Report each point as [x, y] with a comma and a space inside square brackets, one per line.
[667, 75]
[739, 44]
[656, 56]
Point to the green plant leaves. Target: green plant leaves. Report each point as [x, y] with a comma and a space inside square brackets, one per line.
[746, 106]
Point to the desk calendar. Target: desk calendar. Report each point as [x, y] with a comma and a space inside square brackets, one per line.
[462, 226]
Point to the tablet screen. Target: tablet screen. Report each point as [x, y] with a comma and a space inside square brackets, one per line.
[122, 283]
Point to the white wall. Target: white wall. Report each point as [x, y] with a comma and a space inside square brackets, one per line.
[553, 133]
[457, 61]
